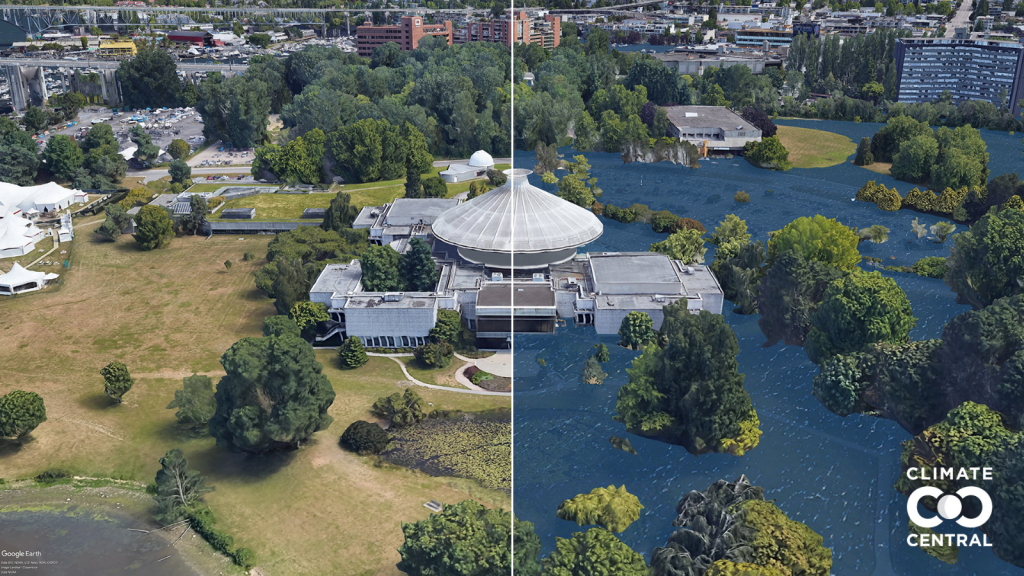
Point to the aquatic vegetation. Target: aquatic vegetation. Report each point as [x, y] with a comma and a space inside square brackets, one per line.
[472, 446]
[611, 507]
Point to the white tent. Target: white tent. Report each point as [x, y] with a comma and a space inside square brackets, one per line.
[20, 280]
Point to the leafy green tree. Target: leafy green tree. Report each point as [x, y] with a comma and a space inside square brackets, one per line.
[380, 269]
[435, 354]
[858, 310]
[62, 156]
[768, 153]
[259, 39]
[789, 293]
[273, 396]
[636, 330]
[602, 354]
[351, 353]
[299, 160]
[592, 372]
[280, 326]
[864, 156]
[417, 268]
[823, 239]
[116, 380]
[370, 150]
[388, 54]
[730, 235]
[195, 401]
[154, 227]
[179, 171]
[611, 508]
[987, 261]
[291, 284]
[526, 547]
[402, 410]
[414, 185]
[307, 314]
[885, 144]
[593, 552]
[340, 214]
[235, 109]
[941, 230]
[19, 160]
[145, 150]
[448, 327]
[117, 220]
[465, 538]
[364, 438]
[572, 189]
[237, 29]
[35, 119]
[434, 187]
[956, 169]
[20, 413]
[179, 149]
[150, 79]
[195, 220]
[915, 158]
[178, 489]
[686, 245]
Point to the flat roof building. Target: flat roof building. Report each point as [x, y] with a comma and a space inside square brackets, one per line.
[405, 218]
[711, 128]
[694, 63]
[969, 69]
[193, 37]
[406, 34]
[118, 48]
[520, 28]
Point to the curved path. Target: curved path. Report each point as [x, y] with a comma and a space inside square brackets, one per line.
[477, 390]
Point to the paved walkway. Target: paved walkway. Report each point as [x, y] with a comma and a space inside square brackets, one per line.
[473, 389]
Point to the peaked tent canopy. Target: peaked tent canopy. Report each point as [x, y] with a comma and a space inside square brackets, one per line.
[20, 280]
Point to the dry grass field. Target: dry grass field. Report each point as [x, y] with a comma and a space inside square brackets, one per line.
[169, 313]
[815, 148]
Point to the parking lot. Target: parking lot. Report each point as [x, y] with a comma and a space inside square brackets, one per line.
[163, 125]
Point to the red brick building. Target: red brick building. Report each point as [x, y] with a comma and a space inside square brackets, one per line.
[407, 34]
[520, 28]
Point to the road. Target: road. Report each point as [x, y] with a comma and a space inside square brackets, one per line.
[959, 19]
[440, 163]
[113, 64]
[158, 173]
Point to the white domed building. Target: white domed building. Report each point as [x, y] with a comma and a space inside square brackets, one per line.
[479, 163]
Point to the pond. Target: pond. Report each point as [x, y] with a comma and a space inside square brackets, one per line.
[834, 474]
[84, 543]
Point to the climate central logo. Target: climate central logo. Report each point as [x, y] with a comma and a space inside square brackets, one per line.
[949, 506]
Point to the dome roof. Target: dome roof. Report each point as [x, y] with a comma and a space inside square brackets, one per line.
[517, 217]
[481, 158]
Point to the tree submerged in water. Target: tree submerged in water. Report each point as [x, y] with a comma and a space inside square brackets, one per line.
[613, 508]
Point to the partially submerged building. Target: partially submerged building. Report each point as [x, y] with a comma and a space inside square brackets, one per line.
[509, 261]
[711, 128]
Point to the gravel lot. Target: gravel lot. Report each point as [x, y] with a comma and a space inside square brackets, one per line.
[188, 129]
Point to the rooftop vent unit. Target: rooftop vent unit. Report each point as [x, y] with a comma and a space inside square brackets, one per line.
[538, 277]
[497, 276]
[689, 270]
[392, 296]
[657, 298]
[691, 114]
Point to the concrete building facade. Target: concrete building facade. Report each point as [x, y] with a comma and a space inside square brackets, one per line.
[711, 128]
[520, 28]
[406, 34]
[968, 69]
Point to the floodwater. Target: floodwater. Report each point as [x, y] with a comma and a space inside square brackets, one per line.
[834, 474]
[70, 544]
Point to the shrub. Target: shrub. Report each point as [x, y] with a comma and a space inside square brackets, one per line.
[479, 376]
[690, 224]
[212, 203]
[931, 266]
[245, 558]
[741, 196]
[597, 208]
[351, 353]
[248, 257]
[53, 474]
[663, 221]
[435, 355]
[364, 438]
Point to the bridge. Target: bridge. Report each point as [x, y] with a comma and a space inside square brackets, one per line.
[617, 8]
[113, 64]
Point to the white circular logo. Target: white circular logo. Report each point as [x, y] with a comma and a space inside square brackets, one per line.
[950, 506]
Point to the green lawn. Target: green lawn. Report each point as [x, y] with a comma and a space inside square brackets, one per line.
[166, 314]
[442, 377]
[815, 148]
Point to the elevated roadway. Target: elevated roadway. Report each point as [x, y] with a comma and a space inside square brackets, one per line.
[113, 64]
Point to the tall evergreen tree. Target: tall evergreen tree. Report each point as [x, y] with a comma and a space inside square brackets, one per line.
[417, 267]
[340, 214]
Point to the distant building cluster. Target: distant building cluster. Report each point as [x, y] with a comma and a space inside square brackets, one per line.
[508, 30]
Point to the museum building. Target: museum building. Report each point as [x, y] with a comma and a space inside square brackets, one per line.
[509, 260]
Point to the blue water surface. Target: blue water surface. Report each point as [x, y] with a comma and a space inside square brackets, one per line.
[834, 474]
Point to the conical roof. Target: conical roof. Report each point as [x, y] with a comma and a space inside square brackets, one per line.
[517, 217]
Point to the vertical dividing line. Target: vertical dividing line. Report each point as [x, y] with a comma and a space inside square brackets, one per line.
[512, 264]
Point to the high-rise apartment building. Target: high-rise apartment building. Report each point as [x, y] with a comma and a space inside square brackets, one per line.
[968, 69]
[520, 28]
[406, 34]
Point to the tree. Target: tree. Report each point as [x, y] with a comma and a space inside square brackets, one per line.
[19, 158]
[179, 149]
[150, 79]
[572, 189]
[62, 156]
[116, 380]
[280, 326]
[525, 547]
[595, 551]
[877, 233]
[464, 538]
[179, 171]
[823, 239]
[308, 314]
[864, 156]
[858, 310]
[686, 245]
[886, 142]
[435, 187]
[592, 372]
[942, 229]
[636, 330]
[301, 159]
[435, 354]
[364, 438]
[417, 268]
[602, 354]
[351, 353]
[178, 489]
[114, 225]
[145, 150]
[915, 158]
[370, 150]
[548, 158]
[20, 413]
[788, 295]
[340, 214]
[612, 508]
[195, 220]
[195, 402]
[402, 410]
[761, 121]
[986, 262]
[237, 29]
[273, 396]
[291, 283]
[768, 153]
[35, 119]
[154, 227]
[448, 327]
[261, 40]
[414, 184]
[235, 109]
[380, 269]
